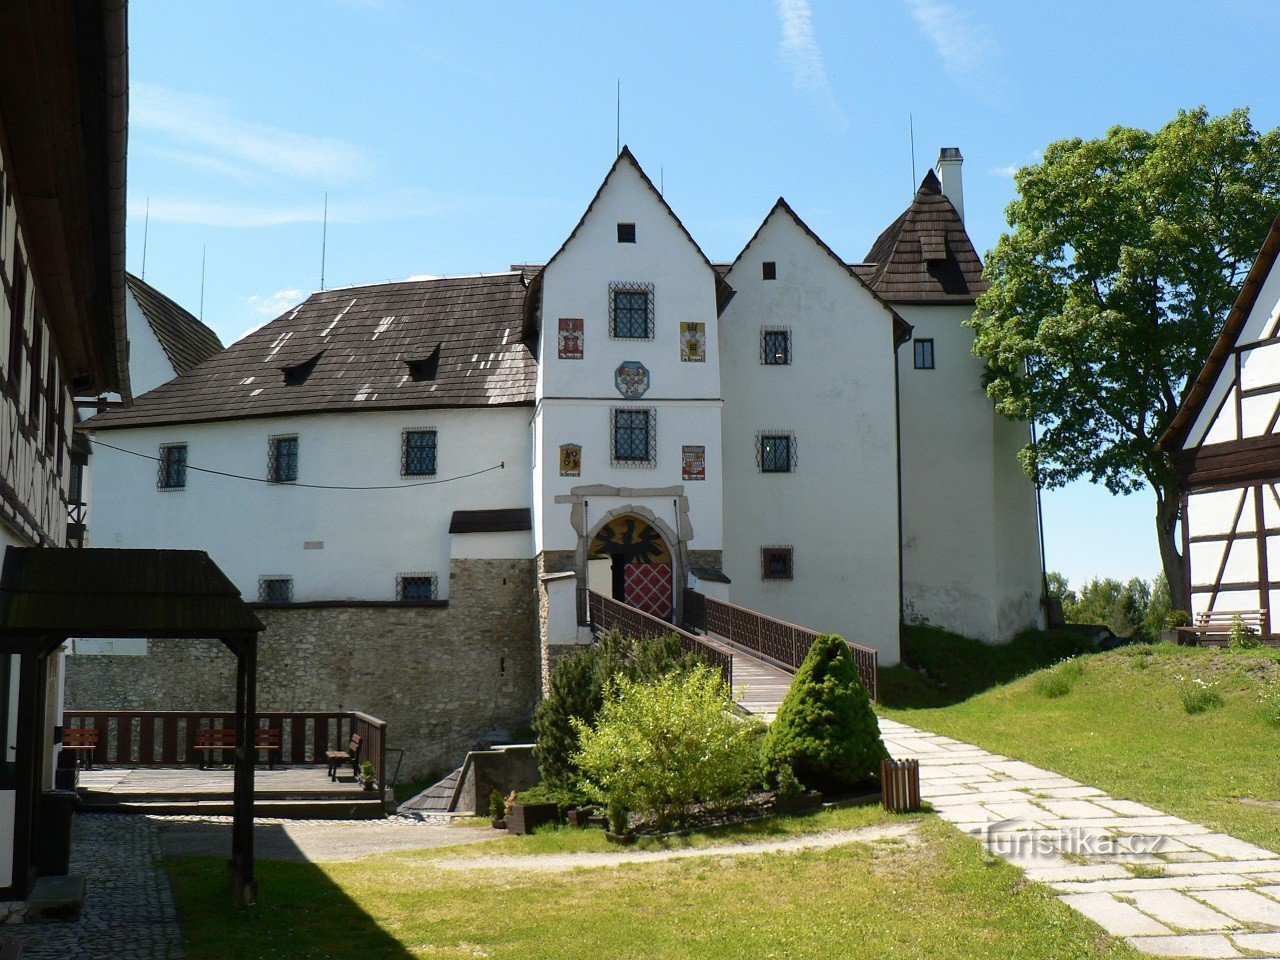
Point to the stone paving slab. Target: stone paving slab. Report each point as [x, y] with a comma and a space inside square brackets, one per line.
[1169, 886]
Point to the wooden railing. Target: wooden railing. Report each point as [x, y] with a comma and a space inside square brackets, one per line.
[782, 643]
[609, 614]
[141, 738]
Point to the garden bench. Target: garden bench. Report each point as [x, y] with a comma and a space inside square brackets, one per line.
[338, 757]
[224, 738]
[81, 740]
[1212, 628]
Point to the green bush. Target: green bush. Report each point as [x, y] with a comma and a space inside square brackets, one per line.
[497, 805]
[826, 731]
[1198, 696]
[564, 798]
[1242, 637]
[1059, 681]
[576, 693]
[660, 746]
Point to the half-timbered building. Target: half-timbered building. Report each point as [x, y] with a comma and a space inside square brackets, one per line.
[63, 107]
[1225, 445]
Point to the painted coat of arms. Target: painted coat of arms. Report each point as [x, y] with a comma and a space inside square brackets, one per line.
[632, 379]
[570, 338]
[570, 460]
[694, 463]
[693, 342]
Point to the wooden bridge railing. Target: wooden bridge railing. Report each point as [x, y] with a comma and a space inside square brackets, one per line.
[140, 738]
[609, 614]
[782, 643]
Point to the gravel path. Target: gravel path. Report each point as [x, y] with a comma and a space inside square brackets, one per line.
[317, 841]
[561, 862]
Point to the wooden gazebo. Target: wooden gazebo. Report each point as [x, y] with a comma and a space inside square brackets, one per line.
[50, 595]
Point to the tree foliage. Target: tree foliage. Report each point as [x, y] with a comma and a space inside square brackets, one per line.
[1125, 255]
[661, 746]
[577, 690]
[826, 730]
[1135, 608]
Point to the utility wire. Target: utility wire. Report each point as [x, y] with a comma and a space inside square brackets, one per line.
[309, 486]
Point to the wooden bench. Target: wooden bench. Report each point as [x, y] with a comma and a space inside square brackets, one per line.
[338, 757]
[1212, 628]
[224, 738]
[81, 740]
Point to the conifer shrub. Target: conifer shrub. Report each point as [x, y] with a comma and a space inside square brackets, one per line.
[826, 731]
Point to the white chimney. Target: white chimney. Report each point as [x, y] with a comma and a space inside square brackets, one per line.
[949, 164]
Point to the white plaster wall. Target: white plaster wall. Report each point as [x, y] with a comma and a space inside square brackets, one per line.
[970, 539]
[838, 510]
[254, 529]
[576, 397]
[492, 546]
[562, 613]
[149, 366]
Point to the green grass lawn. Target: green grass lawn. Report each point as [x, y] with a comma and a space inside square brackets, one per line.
[931, 895]
[1121, 725]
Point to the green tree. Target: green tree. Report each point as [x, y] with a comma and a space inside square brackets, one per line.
[1111, 603]
[826, 730]
[1125, 255]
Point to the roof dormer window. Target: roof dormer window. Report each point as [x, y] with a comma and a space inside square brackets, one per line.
[296, 374]
[626, 233]
[425, 368]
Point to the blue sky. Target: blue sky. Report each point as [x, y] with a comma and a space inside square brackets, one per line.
[462, 137]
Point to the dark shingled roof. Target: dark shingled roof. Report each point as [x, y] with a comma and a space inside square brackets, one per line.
[508, 520]
[71, 592]
[415, 344]
[185, 340]
[925, 256]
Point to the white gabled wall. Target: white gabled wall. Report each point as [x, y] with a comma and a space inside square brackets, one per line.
[149, 365]
[838, 510]
[576, 397]
[970, 543]
[254, 529]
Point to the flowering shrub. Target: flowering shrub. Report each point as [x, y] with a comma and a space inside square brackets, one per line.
[661, 746]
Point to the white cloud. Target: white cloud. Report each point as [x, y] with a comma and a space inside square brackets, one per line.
[802, 54]
[203, 127]
[964, 44]
[1008, 171]
[277, 303]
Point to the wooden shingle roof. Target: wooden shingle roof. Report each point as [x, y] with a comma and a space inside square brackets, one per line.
[414, 344]
[185, 340]
[925, 256]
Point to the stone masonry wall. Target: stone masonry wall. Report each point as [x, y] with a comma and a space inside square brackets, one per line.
[442, 677]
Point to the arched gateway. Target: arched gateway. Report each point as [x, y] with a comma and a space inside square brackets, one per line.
[640, 563]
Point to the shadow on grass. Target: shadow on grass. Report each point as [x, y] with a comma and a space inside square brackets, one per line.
[301, 914]
[940, 669]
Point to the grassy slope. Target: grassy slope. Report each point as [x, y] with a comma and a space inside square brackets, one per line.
[933, 896]
[1122, 727]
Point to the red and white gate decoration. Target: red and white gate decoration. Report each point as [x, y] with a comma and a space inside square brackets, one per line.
[647, 587]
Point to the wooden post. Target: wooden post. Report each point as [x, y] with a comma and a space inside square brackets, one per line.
[900, 785]
[243, 885]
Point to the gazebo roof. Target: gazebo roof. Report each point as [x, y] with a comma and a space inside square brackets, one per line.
[69, 592]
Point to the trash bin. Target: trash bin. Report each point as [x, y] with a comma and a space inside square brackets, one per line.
[53, 841]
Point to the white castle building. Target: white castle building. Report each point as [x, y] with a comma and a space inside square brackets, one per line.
[792, 432]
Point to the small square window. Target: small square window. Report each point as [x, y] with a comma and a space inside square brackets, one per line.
[626, 233]
[633, 437]
[924, 353]
[172, 473]
[282, 459]
[775, 348]
[275, 589]
[416, 586]
[776, 563]
[769, 270]
[776, 452]
[418, 454]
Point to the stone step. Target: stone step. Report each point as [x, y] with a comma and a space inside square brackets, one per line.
[55, 899]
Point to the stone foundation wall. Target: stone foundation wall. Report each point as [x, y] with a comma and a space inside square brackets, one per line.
[442, 677]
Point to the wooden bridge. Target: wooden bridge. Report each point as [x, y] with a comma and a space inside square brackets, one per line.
[757, 654]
